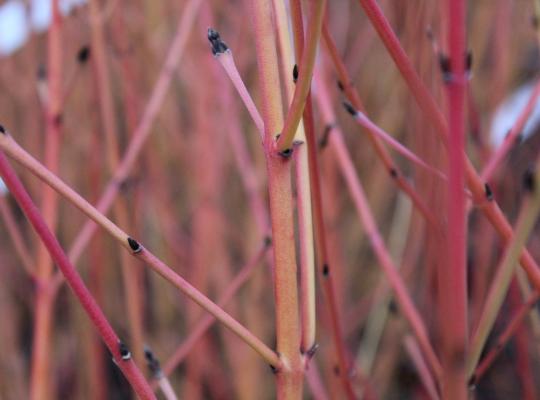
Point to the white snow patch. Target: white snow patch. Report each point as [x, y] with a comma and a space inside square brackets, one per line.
[509, 111]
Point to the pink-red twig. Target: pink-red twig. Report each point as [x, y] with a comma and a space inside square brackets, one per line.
[120, 353]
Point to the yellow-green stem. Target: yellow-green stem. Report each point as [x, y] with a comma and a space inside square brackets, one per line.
[305, 74]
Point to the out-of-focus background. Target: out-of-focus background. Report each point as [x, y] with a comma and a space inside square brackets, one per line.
[192, 195]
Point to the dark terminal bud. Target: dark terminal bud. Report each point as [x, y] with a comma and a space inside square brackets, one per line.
[218, 45]
[529, 180]
[124, 351]
[287, 153]
[324, 139]
[152, 362]
[84, 54]
[392, 307]
[489, 192]
[446, 68]
[468, 61]
[295, 73]
[134, 245]
[350, 109]
[311, 352]
[42, 72]
[325, 270]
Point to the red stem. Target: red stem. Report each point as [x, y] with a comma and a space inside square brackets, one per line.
[359, 198]
[430, 108]
[453, 273]
[383, 256]
[382, 153]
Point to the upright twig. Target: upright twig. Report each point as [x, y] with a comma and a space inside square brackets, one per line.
[225, 57]
[305, 74]
[40, 385]
[290, 376]
[302, 174]
[452, 273]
